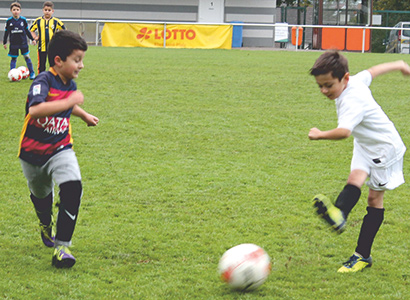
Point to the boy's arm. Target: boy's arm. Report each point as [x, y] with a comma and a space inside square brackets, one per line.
[334, 134]
[389, 67]
[85, 116]
[6, 35]
[30, 34]
[33, 29]
[45, 109]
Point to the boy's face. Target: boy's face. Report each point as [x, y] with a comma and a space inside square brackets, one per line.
[48, 12]
[70, 68]
[331, 86]
[15, 10]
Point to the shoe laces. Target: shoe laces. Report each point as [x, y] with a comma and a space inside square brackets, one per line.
[46, 230]
[352, 260]
[63, 248]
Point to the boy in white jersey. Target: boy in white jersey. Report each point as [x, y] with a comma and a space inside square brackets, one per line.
[377, 154]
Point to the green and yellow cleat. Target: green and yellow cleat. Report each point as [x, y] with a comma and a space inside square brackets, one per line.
[356, 263]
[330, 213]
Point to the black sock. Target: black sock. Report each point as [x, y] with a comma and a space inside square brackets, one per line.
[348, 198]
[70, 198]
[43, 207]
[371, 224]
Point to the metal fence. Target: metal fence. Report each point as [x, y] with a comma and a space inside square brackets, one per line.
[91, 29]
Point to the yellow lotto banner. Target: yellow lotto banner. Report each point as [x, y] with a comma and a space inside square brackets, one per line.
[177, 36]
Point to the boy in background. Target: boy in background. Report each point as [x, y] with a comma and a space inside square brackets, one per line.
[46, 153]
[377, 154]
[46, 26]
[17, 29]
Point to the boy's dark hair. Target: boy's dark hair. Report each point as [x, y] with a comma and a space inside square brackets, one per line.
[63, 43]
[49, 4]
[15, 4]
[331, 62]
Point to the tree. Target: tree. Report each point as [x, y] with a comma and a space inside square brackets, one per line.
[402, 5]
[295, 3]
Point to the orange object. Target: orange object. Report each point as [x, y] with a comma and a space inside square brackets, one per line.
[300, 35]
[355, 39]
[350, 39]
[333, 38]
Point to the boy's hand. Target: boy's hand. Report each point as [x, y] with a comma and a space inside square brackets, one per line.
[314, 133]
[5, 46]
[90, 120]
[76, 98]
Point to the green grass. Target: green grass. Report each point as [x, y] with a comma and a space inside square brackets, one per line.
[198, 151]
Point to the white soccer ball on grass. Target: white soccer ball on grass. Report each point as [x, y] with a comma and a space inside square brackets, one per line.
[244, 267]
[15, 75]
[24, 72]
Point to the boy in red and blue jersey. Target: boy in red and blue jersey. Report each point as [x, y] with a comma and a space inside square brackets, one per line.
[46, 153]
[17, 29]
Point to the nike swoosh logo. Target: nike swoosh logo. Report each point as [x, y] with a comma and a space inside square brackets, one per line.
[72, 217]
[52, 95]
[382, 184]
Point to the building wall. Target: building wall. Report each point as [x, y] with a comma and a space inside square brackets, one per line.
[255, 11]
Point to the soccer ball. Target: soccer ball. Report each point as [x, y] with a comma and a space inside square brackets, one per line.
[15, 75]
[24, 72]
[244, 267]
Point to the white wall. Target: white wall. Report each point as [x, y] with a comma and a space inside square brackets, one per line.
[246, 11]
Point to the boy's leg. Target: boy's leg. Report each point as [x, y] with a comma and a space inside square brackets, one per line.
[348, 198]
[13, 53]
[371, 223]
[336, 215]
[70, 199]
[13, 63]
[44, 211]
[66, 173]
[361, 258]
[29, 63]
[41, 187]
[42, 59]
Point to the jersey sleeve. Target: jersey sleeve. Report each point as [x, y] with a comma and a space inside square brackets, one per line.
[34, 26]
[6, 34]
[364, 77]
[60, 25]
[38, 92]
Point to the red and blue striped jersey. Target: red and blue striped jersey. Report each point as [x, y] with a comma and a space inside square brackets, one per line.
[43, 137]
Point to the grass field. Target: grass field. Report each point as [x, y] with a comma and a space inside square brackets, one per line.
[198, 151]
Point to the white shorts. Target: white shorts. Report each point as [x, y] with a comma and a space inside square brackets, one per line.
[60, 168]
[380, 179]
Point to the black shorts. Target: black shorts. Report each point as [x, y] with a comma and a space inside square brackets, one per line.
[14, 52]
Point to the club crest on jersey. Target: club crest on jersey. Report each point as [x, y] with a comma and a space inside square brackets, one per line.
[36, 89]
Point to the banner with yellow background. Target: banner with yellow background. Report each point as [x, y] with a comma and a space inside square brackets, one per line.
[177, 36]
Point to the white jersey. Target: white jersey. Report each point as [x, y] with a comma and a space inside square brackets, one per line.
[375, 136]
